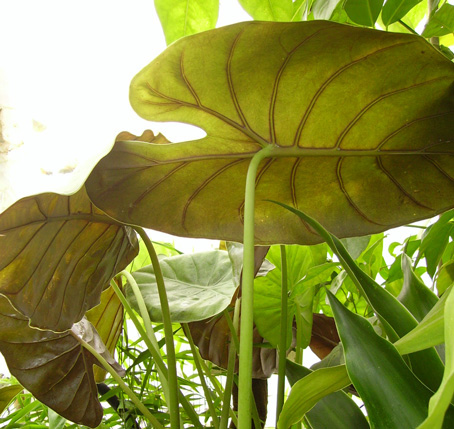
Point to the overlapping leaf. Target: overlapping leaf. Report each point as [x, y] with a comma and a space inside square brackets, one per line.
[284, 86]
[198, 285]
[52, 366]
[57, 253]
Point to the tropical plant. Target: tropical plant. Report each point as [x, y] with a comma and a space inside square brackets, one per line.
[307, 124]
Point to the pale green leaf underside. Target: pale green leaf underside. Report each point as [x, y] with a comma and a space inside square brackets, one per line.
[359, 121]
[198, 286]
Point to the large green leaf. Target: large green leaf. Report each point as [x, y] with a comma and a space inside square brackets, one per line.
[269, 10]
[198, 286]
[356, 166]
[57, 253]
[54, 367]
[180, 18]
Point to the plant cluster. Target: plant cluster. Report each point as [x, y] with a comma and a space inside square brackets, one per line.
[321, 134]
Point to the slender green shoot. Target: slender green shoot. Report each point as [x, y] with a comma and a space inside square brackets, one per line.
[168, 332]
[153, 347]
[282, 347]
[234, 345]
[206, 390]
[145, 411]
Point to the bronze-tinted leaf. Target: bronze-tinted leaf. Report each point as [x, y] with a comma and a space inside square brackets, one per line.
[351, 117]
[52, 366]
[107, 318]
[57, 253]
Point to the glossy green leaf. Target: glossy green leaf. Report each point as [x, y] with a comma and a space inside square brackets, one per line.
[428, 333]
[441, 22]
[393, 10]
[277, 86]
[57, 253]
[356, 245]
[397, 320]
[269, 10]
[7, 393]
[415, 295]
[267, 291]
[198, 286]
[445, 276]
[364, 12]
[394, 397]
[435, 240]
[54, 367]
[336, 410]
[309, 390]
[442, 398]
[181, 18]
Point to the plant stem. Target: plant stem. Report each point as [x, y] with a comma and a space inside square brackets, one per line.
[231, 363]
[247, 294]
[197, 359]
[282, 348]
[153, 346]
[145, 411]
[168, 332]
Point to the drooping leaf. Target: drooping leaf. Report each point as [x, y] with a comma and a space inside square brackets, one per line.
[269, 10]
[7, 393]
[435, 240]
[198, 286]
[415, 295]
[54, 367]
[397, 320]
[57, 253]
[324, 335]
[393, 10]
[394, 397]
[364, 12]
[445, 276]
[309, 390]
[277, 86]
[181, 18]
[336, 410]
[441, 22]
[428, 333]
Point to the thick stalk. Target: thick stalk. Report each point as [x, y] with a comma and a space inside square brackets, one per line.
[247, 294]
[432, 6]
[145, 411]
[282, 346]
[168, 332]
